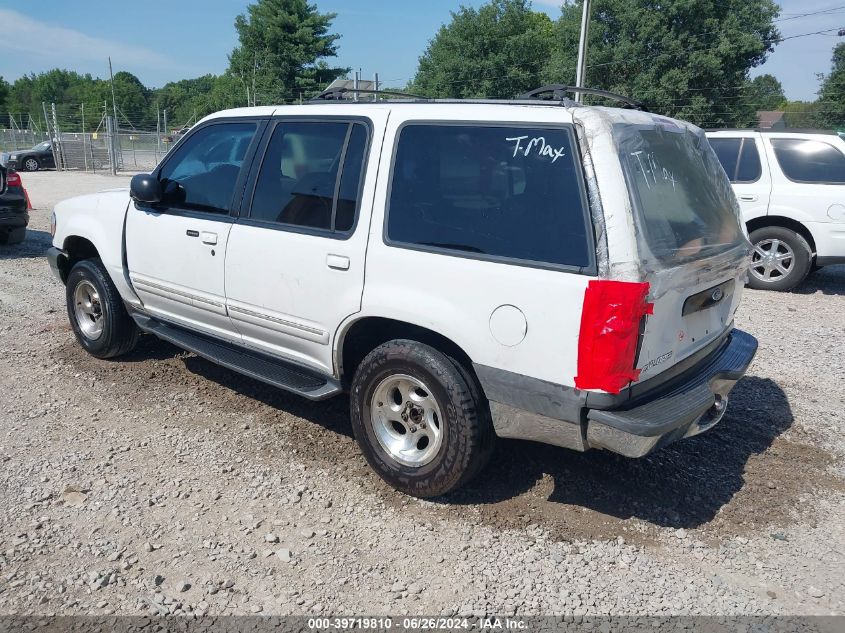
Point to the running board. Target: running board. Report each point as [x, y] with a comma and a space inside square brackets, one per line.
[273, 371]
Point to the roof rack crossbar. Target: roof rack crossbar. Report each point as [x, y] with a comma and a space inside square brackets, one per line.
[557, 91]
[337, 93]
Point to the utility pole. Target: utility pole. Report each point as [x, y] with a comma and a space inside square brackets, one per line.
[113, 101]
[375, 87]
[254, 68]
[581, 72]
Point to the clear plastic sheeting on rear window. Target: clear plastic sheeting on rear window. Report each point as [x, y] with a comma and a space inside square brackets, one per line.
[684, 207]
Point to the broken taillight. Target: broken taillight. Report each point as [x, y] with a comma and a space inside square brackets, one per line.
[610, 332]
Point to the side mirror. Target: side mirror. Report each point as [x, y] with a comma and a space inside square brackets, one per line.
[145, 188]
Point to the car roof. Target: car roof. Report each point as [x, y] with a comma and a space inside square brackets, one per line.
[515, 110]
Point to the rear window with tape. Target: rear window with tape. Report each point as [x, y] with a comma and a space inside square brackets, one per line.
[684, 206]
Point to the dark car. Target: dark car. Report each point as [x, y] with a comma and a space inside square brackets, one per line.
[14, 205]
[39, 157]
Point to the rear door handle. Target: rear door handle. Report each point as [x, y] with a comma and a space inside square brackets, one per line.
[209, 238]
[338, 262]
[748, 197]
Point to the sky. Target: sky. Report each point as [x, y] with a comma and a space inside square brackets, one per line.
[167, 40]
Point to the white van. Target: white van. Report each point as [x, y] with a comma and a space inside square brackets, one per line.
[529, 269]
[791, 189]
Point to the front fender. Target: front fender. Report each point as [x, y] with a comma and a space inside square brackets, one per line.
[98, 218]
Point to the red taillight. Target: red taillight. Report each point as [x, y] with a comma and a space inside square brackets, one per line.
[13, 179]
[610, 327]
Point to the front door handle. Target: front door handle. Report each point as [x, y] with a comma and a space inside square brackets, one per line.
[748, 197]
[209, 238]
[338, 262]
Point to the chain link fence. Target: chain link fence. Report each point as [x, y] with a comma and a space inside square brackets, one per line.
[107, 148]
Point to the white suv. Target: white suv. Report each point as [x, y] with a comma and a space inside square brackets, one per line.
[524, 269]
[791, 189]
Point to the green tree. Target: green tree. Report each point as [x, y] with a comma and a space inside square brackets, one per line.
[132, 99]
[831, 101]
[764, 93]
[4, 93]
[497, 50]
[801, 114]
[761, 93]
[683, 58]
[283, 48]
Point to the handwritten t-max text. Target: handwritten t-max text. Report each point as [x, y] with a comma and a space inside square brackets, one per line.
[537, 144]
[651, 169]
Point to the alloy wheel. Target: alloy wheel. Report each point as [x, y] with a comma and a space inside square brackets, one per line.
[406, 420]
[772, 260]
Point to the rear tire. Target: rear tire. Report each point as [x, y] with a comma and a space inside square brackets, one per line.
[31, 164]
[419, 419]
[96, 312]
[781, 259]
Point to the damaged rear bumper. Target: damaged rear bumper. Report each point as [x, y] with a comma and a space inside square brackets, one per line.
[688, 404]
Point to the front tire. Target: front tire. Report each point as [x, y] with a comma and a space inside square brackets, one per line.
[419, 419]
[781, 259]
[31, 164]
[96, 312]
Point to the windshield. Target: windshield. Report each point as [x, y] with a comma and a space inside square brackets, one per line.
[683, 202]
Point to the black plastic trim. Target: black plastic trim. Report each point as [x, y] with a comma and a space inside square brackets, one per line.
[273, 371]
[830, 260]
[708, 298]
[676, 373]
[562, 402]
[54, 255]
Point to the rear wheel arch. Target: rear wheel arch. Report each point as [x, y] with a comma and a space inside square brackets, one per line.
[364, 335]
[783, 222]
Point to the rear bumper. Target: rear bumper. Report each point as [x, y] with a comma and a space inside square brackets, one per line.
[13, 219]
[691, 406]
[13, 208]
[687, 405]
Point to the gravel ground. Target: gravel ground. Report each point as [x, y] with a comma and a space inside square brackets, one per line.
[161, 483]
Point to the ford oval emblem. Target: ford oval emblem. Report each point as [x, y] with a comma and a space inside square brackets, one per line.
[717, 294]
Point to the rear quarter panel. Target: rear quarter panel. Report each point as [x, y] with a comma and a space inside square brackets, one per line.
[457, 295]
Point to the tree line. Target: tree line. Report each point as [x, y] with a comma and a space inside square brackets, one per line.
[689, 60]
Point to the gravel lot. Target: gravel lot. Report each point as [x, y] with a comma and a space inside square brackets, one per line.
[161, 483]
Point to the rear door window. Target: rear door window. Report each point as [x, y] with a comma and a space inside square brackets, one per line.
[749, 168]
[727, 151]
[311, 175]
[806, 160]
[491, 192]
[739, 158]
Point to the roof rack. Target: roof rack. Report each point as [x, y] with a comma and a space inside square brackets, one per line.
[331, 94]
[558, 91]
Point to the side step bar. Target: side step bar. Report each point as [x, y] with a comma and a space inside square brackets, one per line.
[279, 373]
